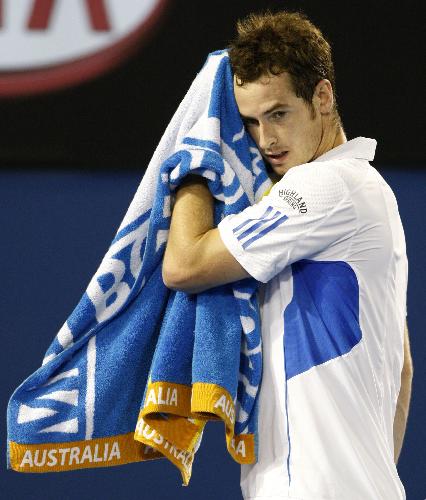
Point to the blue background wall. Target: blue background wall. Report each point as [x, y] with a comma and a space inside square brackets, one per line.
[55, 228]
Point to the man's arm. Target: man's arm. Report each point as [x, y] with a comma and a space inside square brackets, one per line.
[403, 403]
[196, 258]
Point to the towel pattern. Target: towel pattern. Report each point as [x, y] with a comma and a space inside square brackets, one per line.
[137, 370]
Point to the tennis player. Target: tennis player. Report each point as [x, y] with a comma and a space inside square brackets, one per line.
[328, 244]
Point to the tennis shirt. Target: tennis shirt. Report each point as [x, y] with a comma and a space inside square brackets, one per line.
[328, 243]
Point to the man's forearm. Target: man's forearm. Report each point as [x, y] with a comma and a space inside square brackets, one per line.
[196, 258]
[403, 403]
[192, 218]
[399, 426]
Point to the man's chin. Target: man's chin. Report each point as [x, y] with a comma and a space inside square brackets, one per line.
[279, 170]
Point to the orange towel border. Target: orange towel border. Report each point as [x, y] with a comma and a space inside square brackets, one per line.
[101, 452]
[169, 426]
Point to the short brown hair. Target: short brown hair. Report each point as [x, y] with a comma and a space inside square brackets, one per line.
[283, 41]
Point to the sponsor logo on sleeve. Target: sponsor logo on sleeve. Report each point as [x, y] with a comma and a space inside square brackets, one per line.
[294, 199]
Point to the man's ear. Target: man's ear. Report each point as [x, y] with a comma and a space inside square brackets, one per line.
[324, 97]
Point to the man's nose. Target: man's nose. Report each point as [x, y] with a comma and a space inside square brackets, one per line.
[267, 136]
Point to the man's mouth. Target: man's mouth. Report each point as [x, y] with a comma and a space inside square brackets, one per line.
[277, 158]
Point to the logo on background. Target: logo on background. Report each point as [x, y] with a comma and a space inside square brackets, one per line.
[49, 44]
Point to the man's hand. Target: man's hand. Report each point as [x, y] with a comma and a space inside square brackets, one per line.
[196, 258]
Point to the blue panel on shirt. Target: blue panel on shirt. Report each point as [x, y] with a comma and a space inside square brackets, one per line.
[322, 320]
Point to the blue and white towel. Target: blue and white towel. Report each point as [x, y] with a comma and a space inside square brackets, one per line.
[135, 355]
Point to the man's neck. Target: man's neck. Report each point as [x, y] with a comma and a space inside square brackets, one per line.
[331, 138]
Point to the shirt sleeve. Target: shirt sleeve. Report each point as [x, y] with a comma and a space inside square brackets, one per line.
[306, 212]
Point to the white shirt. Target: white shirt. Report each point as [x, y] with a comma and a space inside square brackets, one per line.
[329, 243]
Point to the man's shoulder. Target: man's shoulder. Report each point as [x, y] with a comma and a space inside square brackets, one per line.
[311, 186]
[321, 176]
[343, 173]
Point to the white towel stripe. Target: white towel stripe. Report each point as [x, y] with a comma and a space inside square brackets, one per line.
[251, 390]
[60, 376]
[48, 358]
[90, 392]
[65, 337]
[69, 397]
[67, 427]
[238, 136]
[29, 414]
[241, 295]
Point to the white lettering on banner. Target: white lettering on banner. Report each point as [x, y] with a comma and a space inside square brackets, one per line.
[28, 459]
[240, 449]
[148, 433]
[91, 453]
[74, 455]
[115, 452]
[139, 426]
[52, 458]
[226, 406]
[144, 430]
[168, 398]
[63, 452]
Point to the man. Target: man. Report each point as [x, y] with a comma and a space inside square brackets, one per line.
[328, 243]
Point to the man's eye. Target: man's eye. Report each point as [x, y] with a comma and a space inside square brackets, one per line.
[249, 123]
[277, 115]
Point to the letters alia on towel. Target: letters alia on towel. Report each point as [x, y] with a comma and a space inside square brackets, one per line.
[137, 370]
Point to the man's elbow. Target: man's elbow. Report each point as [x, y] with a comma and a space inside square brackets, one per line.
[180, 278]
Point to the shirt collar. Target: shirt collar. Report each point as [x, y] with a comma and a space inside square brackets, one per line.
[361, 148]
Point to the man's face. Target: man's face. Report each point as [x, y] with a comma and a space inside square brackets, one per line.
[281, 124]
